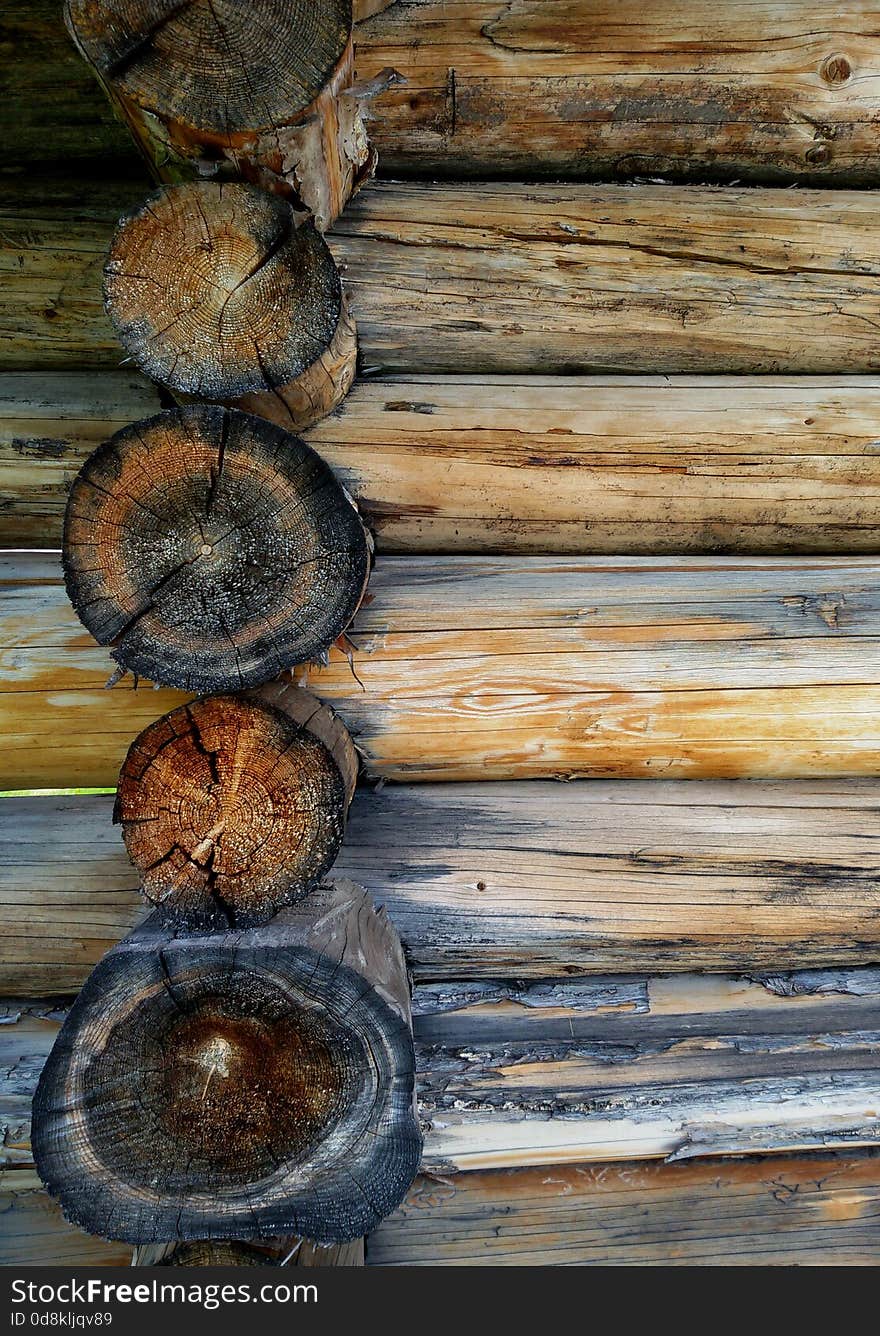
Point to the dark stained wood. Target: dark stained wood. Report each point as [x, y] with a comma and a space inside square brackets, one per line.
[803, 1210]
[602, 88]
[218, 291]
[210, 550]
[230, 808]
[525, 464]
[521, 279]
[492, 880]
[183, 78]
[221, 1085]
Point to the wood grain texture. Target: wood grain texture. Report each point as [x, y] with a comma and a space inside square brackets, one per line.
[597, 464]
[475, 668]
[517, 880]
[686, 1067]
[681, 88]
[757, 92]
[520, 279]
[804, 1210]
[33, 1232]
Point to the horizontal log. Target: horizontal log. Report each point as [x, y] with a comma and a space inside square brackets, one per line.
[683, 88]
[525, 464]
[804, 1210]
[519, 279]
[492, 88]
[500, 668]
[35, 1233]
[561, 1073]
[518, 880]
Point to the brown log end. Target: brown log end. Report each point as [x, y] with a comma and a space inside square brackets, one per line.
[232, 807]
[217, 1252]
[218, 67]
[222, 1085]
[215, 291]
[212, 550]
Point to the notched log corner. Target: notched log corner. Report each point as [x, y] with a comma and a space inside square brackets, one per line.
[212, 550]
[183, 78]
[223, 292]
[242, 1085]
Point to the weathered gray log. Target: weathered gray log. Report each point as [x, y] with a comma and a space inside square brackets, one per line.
[632, 1067]
[220, 292]
[210, 550]
[525, 464]
[184, 80]
[520, 279]
[241, 1084]
[518, 880]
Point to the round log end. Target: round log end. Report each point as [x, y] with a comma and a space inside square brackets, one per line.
[216, 67]
[221, 1086]
[215, 291]
[212, 550]
[232, 807]
[217, 1252]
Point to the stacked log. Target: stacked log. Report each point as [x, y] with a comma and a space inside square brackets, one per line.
[229, 1072]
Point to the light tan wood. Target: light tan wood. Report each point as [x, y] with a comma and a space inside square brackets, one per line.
[681, 1067]
[524, 279]
[475, 668]
[807, 1210]
[512, 880]
[583, 88]
[526, 464]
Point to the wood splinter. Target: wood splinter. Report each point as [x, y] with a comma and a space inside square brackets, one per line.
[237, 1085]
[220, 292]
[234, 806]
[261, 91]
[212, 550]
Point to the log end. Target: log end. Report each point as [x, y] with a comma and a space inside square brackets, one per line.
[211, 550]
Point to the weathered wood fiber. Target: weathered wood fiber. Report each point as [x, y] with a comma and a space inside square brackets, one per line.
[685, 1067]
[33, 1232]
[525, 279]
[678, 88]
[805, 1210]
[237, 1084]
[525, 464]
[182, 80]
[516, 880]
[501, 668]
[683, 88]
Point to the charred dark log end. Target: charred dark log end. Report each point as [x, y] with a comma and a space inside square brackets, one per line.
[212, 550]
[232, 807]
[236, 1085]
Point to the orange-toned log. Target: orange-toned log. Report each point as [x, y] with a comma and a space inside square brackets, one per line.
[525, 464]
